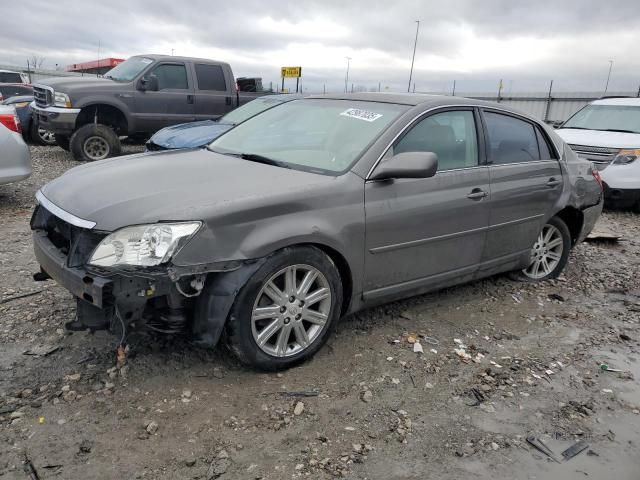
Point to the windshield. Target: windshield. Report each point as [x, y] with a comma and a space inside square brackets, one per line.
[129, 69]
[252, 108]
[320, 135]
[606, 117]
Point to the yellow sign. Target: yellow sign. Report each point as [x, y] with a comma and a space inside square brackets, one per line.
[291, 72]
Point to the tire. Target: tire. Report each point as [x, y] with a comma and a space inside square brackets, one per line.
[242, 333]
[63, 142]
[93, 142]
[559, 244]
[42, 137]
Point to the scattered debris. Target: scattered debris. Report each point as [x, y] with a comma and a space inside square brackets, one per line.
[151, 427]
[417, 348]
[606, 368]
[366, 396]
[29, 469]
[298, 409]
[600, 233]
[42, 350]
[539, 445]
[556, 296]
[16, 297]
[625, 337]
[85, 447]
[575, 449]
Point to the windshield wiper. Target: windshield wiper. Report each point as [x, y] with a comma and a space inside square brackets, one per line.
[254, 157]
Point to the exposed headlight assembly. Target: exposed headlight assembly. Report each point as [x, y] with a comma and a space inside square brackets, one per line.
[61, 100]
[625, 157]
[142, 245]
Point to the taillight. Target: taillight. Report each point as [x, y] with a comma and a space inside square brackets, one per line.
[596, 175]
[11, 121]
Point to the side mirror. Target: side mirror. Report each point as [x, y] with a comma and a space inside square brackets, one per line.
[149, 83]
[407, 165]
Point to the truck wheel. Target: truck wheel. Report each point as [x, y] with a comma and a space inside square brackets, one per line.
[286, 310]
[93, 142]
[549, 253]
[62, 141]
[40, 136]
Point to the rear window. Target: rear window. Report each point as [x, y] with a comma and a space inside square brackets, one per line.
[210, 77]
[511, 140]
[10, 77]
[8, 91]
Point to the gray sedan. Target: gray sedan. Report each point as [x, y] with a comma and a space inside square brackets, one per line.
[314, 209]
[15, 159]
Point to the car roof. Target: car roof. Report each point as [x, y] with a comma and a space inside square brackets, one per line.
[172, 58]
[628, 101]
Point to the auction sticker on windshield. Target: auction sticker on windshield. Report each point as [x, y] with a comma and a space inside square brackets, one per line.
[360, 114]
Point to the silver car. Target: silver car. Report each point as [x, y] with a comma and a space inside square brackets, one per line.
[312, 210]
[15, 159]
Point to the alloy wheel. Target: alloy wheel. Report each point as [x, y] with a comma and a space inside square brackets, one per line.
[546, 253]
[46, 136]
[96, 148]
[291, 310]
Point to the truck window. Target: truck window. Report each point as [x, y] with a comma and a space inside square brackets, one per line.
[171, 76]
[210, 77]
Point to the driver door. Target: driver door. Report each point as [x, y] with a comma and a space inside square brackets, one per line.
[425, 233]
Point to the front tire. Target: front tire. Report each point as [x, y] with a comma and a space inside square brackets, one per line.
[287, 309]
[94, 142]
[42, 137]
[549, 254]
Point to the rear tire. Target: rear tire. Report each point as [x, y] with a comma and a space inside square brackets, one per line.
[63, 142]
[41, 137]
[276, 328]
[94, 142]
[549, 254]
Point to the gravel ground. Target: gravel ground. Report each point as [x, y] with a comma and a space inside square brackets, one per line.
[501, 361]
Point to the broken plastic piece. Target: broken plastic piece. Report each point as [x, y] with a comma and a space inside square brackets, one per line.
[539, 445]
[575, 449]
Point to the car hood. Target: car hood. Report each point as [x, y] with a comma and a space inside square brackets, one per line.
[70, 84]
[189, 135]
[597, 138]
[175, 185]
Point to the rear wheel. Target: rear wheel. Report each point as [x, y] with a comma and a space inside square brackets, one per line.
[40, 136]
[93, 142]
[287, 309]
[549, 253]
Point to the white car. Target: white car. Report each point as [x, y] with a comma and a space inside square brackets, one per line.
[607, 132]
[9, 76]
[15, 159]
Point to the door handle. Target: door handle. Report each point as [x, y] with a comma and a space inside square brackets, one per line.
[190, 99]
[477, 194]
[553, 182]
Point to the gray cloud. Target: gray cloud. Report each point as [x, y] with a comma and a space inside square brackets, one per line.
[578, 36]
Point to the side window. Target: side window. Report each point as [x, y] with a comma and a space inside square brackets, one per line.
[171, 76]
[450, 135]
[210, 77]
[511, 140]
[543, 145]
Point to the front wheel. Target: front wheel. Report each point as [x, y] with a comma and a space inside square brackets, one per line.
[40, 136]
[93, 142]
[549, 253]
[286, 310]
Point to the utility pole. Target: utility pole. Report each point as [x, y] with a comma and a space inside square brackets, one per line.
[606, 87]
[453, 91]
[549, 99]
[346, 78]
[413, 58]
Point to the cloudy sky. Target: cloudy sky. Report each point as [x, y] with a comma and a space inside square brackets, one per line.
[476, 43]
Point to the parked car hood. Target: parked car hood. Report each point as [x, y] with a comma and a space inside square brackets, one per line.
[175, 185]
[189, 135]
[598, 138]
[70, 84]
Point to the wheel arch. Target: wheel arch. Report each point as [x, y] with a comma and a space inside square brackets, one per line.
[574, 219]
[106, 114]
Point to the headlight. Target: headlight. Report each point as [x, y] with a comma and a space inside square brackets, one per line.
[21, 104]
[142, 245]
[61, 100]
[625, 157]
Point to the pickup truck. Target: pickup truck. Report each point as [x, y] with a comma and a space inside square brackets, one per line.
[143, 94]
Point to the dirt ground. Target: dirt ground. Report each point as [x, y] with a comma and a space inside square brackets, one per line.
[501, 361]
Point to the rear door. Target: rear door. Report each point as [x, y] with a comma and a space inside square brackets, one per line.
[426, 232]
[526, 182]
[212, 91]
[172, 103]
